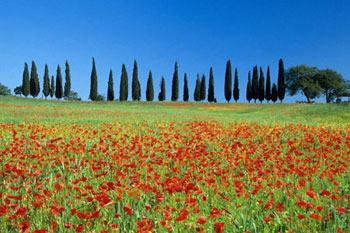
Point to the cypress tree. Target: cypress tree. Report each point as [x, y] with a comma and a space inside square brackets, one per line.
[175, 85]
[150, 90]
[236, 88]
[34, 81]
[25, 81]
[228, 81]
[197, 90]
[261, 86]
[274, 93]
[186, 94]
[268, 85]
[281, 86]
[46, 85]
[67, 84]
[211, 86]
[59, 86]
[110, 91]
[93, 86]
[123, 93]
[161, 95]
[139, 89]
[135, 83]
[203, 88]
[52, 88]
[255, 84]
[249, 88]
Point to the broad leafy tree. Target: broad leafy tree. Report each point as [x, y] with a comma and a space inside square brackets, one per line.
[18, 90]
[228, 81]
[332, 84]
[25, 81]
[302, 79]
[110, 91]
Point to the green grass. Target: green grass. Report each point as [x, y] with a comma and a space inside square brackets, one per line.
[19, 110]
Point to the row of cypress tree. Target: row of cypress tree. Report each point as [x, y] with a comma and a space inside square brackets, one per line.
[31, 86]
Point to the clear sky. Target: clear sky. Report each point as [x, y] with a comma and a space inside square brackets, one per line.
[197, 34]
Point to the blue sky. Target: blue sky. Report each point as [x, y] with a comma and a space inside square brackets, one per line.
[197, 34]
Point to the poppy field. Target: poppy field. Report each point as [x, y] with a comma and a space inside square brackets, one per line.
[164, 168]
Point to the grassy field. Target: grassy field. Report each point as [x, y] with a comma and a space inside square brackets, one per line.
[173, 167]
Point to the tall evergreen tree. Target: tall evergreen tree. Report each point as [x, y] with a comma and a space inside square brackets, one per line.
[255, 84]
[261, 86]
[186, 91]
[268, 85]
[175, 85]
[274, 93]
[110, 91]
[34, 81]
[46, 85]
[197, 90]
[135, 83]
[123, 93]
[59, 85]
[203, 88]
[228, 81]
[52, 88]
[249, 88]
[281, 86]
[93, 86]
[161, 96]
[25, 81]
[235, 87]
[211, 96]
[150, 90]
[67, 85]
[139, 89]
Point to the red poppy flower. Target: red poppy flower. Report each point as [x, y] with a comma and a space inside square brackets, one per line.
[202, 220]
[24, 227]
[128, 210]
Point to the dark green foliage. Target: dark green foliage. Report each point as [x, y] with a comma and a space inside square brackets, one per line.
[52, 88]
[332, 83]
[255, 84]
[197, 90]
[150, 90]
[274, 93]
[46, 85]
[34, 81]
[235, 87]
[186, 91]
[280, 84]
[110, 91]
[25, 81]
[203, 88]
[249, 93]
[175, 85]
[18, 90]
[161, 95]
[67, 85]
[93, 85]
[123, 93]
[59, 85]
[100, 97]
[135, 83]
[211, 96]
[228, 81]
[302, 79]
[139, 89]
[4, 90]
[268, 85]
[261, 86]
[73, 96]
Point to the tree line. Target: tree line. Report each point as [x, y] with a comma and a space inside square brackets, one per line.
[310, 81]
